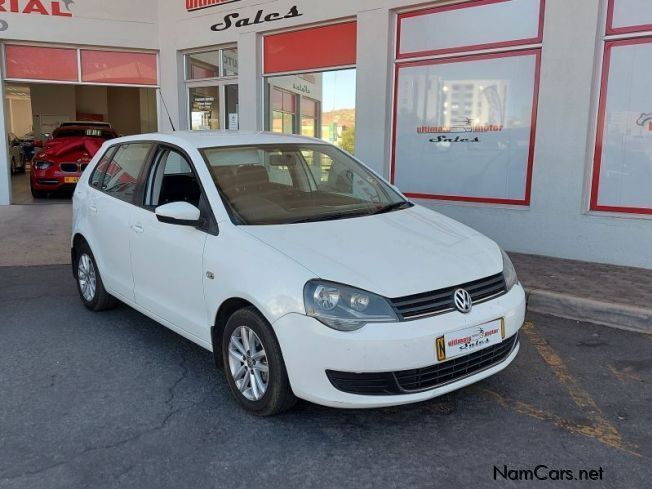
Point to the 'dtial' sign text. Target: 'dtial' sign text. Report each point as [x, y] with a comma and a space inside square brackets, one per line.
[234, 19]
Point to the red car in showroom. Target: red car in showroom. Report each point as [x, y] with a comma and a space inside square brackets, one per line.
[58, 166]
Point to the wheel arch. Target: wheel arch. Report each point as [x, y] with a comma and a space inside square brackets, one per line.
[77, 240]
[224, 312]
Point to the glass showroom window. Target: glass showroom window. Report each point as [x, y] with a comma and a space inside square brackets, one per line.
[622, 167]
[283, 111]
[466, 101]
[320, 105]
[310, 83]
[212, 88]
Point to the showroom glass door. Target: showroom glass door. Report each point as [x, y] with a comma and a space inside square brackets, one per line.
[212, 89]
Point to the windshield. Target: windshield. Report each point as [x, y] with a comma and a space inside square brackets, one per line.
[289, 183]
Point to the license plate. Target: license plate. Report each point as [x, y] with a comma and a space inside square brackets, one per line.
[70, 179]
[468, 340]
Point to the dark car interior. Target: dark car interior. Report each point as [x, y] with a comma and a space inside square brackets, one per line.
[256, 199]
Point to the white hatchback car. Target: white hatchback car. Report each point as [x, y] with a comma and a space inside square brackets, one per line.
[304, 272]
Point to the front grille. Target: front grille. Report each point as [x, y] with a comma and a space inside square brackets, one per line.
[69, 167]
[421, 379]
[441, 301]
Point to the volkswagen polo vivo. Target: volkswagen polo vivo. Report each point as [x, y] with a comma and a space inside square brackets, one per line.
[305, 273]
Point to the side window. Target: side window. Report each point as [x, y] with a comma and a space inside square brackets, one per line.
[100, 170]
[123, 171]
[172, 180]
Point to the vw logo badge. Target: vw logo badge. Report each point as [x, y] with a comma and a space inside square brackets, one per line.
[463, 301]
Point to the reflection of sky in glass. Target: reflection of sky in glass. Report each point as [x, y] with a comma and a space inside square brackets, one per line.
[339, 90]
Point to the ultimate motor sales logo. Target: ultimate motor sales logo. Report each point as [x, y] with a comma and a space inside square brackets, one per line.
[192, 5]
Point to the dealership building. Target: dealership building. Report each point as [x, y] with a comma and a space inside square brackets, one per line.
[529, 120]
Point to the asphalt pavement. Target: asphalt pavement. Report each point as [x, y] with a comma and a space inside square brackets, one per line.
[114, 400]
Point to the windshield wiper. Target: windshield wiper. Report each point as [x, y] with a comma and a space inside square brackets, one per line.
[404, 204]
[330, 217]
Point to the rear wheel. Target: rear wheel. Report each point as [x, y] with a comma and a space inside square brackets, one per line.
[253, 364]
[89, 282]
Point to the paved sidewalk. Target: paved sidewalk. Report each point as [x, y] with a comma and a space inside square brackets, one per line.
[605, 294]
[35, 234]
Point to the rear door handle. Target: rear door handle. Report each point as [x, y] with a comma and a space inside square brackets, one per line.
[138, 228]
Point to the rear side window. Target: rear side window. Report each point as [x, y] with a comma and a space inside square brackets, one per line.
[122, 173]
[100, 170]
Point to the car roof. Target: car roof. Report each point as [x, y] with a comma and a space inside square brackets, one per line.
[209, 139]
[85, 123]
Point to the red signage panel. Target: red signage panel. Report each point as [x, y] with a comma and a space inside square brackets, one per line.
[316, 48]
[41, 63]
[119, 67]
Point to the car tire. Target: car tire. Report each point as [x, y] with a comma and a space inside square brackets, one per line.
[261, 363]
[13, 166]
[38, 194]
[89, 282]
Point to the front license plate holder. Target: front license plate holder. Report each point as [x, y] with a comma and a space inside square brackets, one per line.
[468, 340]
[70, 179]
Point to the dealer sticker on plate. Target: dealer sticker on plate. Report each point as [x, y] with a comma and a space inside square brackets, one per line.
[70, 179]
[468, 340]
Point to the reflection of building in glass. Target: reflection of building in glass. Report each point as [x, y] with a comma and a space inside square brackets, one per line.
[455, 105]
[472, 102]
[296, 107]
[295, 104]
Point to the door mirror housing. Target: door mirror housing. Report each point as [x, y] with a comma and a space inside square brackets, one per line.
[179, 213]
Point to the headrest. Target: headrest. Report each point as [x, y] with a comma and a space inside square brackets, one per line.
[252, 175]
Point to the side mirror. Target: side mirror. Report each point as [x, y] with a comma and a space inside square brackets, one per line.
[179, 213]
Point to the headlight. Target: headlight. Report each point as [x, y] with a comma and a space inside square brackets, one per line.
[345, 308]
[42, 165]
[509, 272]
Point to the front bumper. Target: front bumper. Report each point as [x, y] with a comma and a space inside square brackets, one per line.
[311, 348]
[52, 180]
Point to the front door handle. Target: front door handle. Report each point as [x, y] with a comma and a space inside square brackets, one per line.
[138, 228]
[93, 209]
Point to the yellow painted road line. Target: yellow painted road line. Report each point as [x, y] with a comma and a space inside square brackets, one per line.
[624, 374]
[602, 429]
[534, 412]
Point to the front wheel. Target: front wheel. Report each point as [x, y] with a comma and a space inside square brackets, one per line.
[253, 364]
[38, 194]
[89, 282]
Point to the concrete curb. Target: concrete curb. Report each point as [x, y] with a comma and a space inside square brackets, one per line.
[620, 316]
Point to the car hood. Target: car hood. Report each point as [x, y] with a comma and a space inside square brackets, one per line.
[394, 254]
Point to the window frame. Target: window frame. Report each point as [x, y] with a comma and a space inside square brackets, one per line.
[116, 147]
[220, 81]
[210, 225]
[627, 29]
[596, 167]
[464, 48]
[464, 57]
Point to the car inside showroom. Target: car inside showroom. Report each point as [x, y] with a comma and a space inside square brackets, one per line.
[292, 243]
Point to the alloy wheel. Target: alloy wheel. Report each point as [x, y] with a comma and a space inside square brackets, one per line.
[87, 278]
[248, 363]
